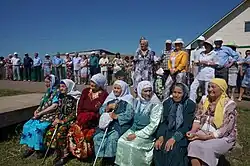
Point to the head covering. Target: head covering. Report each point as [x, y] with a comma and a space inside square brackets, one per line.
[210, 42]
[201, 38]
[15, 53]
[92, 52]
[99, 79]
[218, 39]
[146, 84]
[53, 81]
[160, 72]
[120, 73]
[175, 116]
[71, 88]
[219, 109]
[168, 42]
[178, 40]
[125, 94]
[46, 55]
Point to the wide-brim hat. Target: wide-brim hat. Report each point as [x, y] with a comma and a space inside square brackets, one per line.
[218, 39]
[178, 41]
[168, 42]
[201, 38]
[210, 42]
[47, 55]
[15, 53]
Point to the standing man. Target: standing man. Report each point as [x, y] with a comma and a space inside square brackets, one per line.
[37, 66]
[165, 57]
[77, 68]
[226, 57]
[57, 64]
[103, 62]
[194, 57]
[27, 64]
[16, 62]
[93, 64]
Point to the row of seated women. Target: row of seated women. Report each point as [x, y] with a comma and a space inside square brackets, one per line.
[137, 131]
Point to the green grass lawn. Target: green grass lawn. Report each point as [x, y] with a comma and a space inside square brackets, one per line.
[10, 149]
[7, 92]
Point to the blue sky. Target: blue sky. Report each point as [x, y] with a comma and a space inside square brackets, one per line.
[48, 26]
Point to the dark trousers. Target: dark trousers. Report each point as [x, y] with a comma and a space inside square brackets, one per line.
[37, 73]
[93, 70]
[222, 73]
[27, 73]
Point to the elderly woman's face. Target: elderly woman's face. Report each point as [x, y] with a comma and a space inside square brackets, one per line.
[214, 90]
[147, 93]
[63, 88]
[47, 82]
[117, 90]
[177, 94]
[178, 46]
[144, 45]
[93, 86]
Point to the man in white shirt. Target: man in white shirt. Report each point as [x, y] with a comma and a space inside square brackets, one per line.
[77, 68]
[194, 57]
[103, 62]
[16, 63]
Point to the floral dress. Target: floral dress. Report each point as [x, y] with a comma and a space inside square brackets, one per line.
[34, 129]
[66, 113]
[69, 68]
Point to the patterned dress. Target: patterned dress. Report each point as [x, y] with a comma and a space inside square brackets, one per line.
[69, 68]
[34, 129]
[47, 67]
[81, 133]
[143, 67]
[66, 113]
[9, 70]
[246, 80]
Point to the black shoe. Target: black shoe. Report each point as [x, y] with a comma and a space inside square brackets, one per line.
[60, 162]
[27, 153]
[39, 154]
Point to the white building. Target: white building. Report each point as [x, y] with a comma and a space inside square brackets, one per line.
[233, 27]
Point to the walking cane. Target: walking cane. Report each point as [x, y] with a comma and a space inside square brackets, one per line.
[52, 138]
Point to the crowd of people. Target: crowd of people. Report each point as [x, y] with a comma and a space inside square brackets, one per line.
[160, 124]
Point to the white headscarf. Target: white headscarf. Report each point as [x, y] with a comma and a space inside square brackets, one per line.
[52, 79]
[146, 84]
[125, 95]
[71, 88]
[99, 79]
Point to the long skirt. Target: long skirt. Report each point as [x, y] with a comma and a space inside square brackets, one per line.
[176, 157]
[109, 146]
[209, 151]
[80, 141]
[33, 134]
[138, 152]
[60, 140]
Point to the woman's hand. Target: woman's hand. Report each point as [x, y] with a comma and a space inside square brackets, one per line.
[131, 137]
[112, 106]
[170, 144]
[172, 71]
[202, 137]
[159, 143]
[35, 113]
[113, 115]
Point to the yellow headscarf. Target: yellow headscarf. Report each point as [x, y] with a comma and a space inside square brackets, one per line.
[219, 109]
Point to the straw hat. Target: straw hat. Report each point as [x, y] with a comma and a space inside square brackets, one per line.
[178, 40]
[210, 42]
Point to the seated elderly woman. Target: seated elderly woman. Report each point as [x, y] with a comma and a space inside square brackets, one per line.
[119, 106]
[178, 115]
[81, 132]
[214, 128]
[65, 116]
[35, 128]
[135, 147]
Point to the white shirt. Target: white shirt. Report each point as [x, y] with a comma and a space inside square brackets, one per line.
[194, 57]
[206, 73]
[15, 61]
[77, 63]
[104, 61]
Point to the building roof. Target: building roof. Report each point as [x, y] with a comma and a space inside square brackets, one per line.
[218, 25]
[88, 51]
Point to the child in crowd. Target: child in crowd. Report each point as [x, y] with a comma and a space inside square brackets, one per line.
[159, 83]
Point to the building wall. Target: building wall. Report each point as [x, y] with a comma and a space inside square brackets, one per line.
[235, 29]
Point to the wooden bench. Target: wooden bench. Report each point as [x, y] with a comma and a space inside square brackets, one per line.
[19, 108]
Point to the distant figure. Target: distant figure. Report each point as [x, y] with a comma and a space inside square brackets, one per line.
[69, 67]
[2, 64]
[84, 69]
[93, 64]
[165, 57]
[27, 64]
[16, 63]
[47, 65]
[103, 62]
[57, 64]
[9, 70]
[77, 68]
[37, 63]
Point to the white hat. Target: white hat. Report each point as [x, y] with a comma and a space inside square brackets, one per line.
[66, 53]
[178, 40]
[201, 38]
[92, 52]
[15, 53]
[160, 72]
[46, 54]
[218, 39]
[209, 42]
[168, 41]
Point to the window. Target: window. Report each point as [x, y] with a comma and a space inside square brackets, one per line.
[247, 26]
